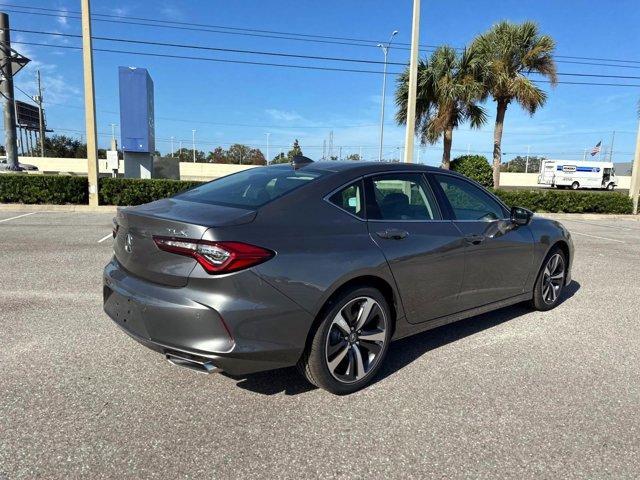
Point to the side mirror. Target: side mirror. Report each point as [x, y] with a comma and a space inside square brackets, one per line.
[521, 216]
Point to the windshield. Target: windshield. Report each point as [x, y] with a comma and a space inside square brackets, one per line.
[251, 188]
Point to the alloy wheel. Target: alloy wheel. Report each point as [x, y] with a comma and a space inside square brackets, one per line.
[553, 279]
[355, 340]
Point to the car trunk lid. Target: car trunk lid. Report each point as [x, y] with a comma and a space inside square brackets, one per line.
[136, 226]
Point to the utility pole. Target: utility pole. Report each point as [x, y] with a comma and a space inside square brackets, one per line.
[193, 134]
[89, 104]
[526, 165]
[385, 51]
[6, 88]
[171, 147]
[39, 100]
[413, 84]
[635, 175]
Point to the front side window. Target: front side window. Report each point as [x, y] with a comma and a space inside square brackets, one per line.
[401, 197]
[251, 188]
[468, 201]
[350, 199]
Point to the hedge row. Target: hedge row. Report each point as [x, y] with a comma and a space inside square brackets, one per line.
[134, 191]
[60, 190]
[56, 189]
[555, 201]
[51, 189]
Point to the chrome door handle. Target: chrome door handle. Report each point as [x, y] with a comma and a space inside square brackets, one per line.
[474, 239]
[393, 234]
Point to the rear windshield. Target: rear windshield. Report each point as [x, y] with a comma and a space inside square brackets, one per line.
[251, 188]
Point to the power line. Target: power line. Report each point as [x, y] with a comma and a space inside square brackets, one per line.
[276, 54]
[282, 65]
[204, 47]
[260, 33]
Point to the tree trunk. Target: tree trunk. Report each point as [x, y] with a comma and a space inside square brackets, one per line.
[446, 152]
[497, 141]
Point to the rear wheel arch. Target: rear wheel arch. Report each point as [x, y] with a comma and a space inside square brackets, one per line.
[372, 281]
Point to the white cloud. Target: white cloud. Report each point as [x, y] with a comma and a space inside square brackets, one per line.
[63, 20]
[283, 115]
[56, 88]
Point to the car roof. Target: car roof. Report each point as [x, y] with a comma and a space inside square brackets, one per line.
[364, 168]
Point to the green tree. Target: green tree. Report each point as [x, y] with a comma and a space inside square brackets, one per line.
[238, 154]
[449, 90]
[218, 155]
[256, 157]
[353, 156]
[295, 151]
[280, 158]
[186, 155]
[476, 167]
[519, 164]
[509, 52]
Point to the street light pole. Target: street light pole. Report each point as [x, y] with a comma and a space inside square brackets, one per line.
[193, 134]
[413, 84]
[268, 135]
[114, 145]
[385, 51]
[6, 90]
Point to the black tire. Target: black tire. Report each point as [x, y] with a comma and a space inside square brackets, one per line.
[543, 298]
[611, 186]
[575, 186]
[314, 363]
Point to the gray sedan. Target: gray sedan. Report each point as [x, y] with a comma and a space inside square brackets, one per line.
[322, 265]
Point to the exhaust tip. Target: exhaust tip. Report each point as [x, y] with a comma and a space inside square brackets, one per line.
[199, 364]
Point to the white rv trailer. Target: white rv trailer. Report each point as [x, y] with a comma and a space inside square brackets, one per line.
[577, 174]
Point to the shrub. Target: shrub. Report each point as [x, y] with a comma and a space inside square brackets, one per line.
[51, 189]
[134, 191]
[476, 167]
[558, 201]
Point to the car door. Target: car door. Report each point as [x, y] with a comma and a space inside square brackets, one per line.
[425, 252]
[499, 254]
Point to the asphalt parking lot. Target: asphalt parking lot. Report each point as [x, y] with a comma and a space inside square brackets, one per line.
[514, 393]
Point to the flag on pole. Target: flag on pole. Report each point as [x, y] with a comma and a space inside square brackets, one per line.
[596, 150]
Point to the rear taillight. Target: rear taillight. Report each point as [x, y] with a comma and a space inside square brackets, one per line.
[116, 227]
[216, 257]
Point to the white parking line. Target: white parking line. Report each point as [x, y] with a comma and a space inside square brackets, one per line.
[595, 236]
[19, 216]
[105, 238]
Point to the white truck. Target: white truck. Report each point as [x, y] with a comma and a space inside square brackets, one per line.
[577, 174]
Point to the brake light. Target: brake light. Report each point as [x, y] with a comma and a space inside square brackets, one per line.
[116, 227]
[216, 257]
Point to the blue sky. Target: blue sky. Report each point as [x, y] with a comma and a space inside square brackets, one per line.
[228, 103]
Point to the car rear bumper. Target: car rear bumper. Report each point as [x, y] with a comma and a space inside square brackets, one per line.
[238, 322]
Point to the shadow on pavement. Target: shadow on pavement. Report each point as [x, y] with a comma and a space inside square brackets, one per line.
[401, 353]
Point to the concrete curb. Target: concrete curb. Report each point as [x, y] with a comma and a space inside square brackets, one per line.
[20, 207]
[589, 216]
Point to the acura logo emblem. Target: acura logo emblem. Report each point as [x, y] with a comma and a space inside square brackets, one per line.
[128, 243]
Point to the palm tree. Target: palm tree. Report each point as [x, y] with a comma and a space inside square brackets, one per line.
[509, 52]
[449, 89]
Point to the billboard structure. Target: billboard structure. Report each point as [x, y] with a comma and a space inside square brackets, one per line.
[28, 125]
[137, 121]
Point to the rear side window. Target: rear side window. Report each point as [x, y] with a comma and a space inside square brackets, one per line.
[251, 188]
[350, 199]
[401, 196]
[468, 201]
